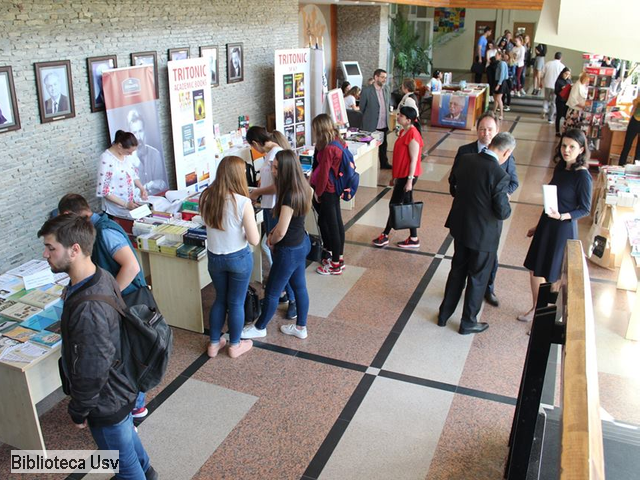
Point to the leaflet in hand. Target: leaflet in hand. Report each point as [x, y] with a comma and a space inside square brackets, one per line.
[550, 197]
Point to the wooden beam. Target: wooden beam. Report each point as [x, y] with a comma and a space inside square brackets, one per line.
[490, 4]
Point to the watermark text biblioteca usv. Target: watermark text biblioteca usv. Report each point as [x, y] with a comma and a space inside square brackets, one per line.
[65, 461]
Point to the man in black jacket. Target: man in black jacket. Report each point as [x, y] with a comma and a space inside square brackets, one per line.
[487, 128]
[102, 397]
[480, 205]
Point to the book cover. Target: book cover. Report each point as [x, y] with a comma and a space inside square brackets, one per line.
[21, 311]
[40, 299]
[199, 112]
[20, 334]
[5, 304]
[6, 324]
[299, 83]
[54, 327]
[287, 84]
[48, 339]
[38, 322]
[6, 342]
[300, 110]
[188, 140]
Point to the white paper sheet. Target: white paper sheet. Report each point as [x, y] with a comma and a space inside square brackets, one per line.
[37, 279]
[550, 196]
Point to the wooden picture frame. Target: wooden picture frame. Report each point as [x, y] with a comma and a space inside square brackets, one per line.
[9, 116]
[235, 62]
[179, 53]
[55, 90]
[212, 53]
[95, 67]
[147, 58]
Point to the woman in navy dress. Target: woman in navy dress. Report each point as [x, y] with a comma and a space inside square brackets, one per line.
[573, 180]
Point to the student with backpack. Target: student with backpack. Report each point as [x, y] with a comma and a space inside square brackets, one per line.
[231, 226]
[406, 170]
[326, 199]
[290, 244]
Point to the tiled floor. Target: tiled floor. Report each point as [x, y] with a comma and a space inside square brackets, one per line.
[377, 390]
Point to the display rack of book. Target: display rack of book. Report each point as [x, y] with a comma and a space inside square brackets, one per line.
[30, 312]
[595, 109]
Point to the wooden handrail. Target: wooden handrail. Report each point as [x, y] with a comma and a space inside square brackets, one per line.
[581, 456]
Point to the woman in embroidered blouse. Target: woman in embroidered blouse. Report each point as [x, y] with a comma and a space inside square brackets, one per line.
[117, 178]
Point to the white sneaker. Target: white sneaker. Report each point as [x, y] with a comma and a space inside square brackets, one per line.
[523, 92]
[250, 331]
[291, 329]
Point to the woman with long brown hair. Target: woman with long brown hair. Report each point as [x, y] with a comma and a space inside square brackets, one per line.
[326, 201]
[228, 214]
[290, 244]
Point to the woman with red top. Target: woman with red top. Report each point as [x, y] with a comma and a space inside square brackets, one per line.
[406, 170]
[326, 201]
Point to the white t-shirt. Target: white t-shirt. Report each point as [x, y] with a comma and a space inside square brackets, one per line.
[233, 237]
[491, 53]
[552, 70]
[266, 179]
[519, 51]
[350, 102]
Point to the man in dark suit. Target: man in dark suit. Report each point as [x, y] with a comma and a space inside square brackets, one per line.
[57, 103]
[487, 128]
[480, 205]
[374, 105]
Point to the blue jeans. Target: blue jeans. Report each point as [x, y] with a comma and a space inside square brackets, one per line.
[289, 264]
[269, 224]
[230, 275]
[134, 461]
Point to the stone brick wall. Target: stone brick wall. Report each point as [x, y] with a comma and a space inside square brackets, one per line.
[362, 36]
[42, 162]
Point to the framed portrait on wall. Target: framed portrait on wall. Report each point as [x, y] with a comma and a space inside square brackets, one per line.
[147, 58]
[95, 67]
[9, 117]
[211, 53]
[178, 53]
[235, 62]
[55, 90]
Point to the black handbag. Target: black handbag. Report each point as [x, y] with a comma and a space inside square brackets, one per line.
[252, 308]
[315, 254]
[406, 215]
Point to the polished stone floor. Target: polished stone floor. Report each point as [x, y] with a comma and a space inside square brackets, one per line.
[377, 390]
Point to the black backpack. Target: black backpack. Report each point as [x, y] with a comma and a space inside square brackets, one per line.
[252, 308]
[146, 341]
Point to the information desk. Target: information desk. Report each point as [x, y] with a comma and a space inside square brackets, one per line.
[455, 108]
[22, 387]
[177, 284]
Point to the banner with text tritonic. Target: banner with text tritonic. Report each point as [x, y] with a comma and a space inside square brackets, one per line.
[192, 123]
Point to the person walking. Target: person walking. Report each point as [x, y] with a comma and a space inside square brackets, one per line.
[550, 74]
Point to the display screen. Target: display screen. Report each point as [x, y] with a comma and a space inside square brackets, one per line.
[352, 68]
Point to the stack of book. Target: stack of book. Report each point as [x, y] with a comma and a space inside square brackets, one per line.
[150, 242]
[191, 252]
[169, 248]
[195, 236]
[171, 231]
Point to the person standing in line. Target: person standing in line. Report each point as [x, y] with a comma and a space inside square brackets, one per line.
[406, 170]
[231, 226]
[538, 68]
[528, 54]
[487, 127]
[550, 74]
[500, 74]
[481, 53]
[326, 201]
[633, 131]
[480, 205]
[564, 80]
[269, 144]
[290, 244]
[374, 105]
[573, 181]
[576, 102]
[102, 397]
[519, 50]
[113, 252]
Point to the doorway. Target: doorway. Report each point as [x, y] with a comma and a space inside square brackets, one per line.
[480, 26]
[521, 28]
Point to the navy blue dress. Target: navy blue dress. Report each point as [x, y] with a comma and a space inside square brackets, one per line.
[546, 252]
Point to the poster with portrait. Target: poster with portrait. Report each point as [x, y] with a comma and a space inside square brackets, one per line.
[293, 117]
[211, 54]
[130, 101]
[235, 62]
[453, 110]
[190, 98]
[178, 53]
[95, 68]
[9, 116]
[55, 90]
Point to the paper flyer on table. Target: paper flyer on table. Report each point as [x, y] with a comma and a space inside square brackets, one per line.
[37, 279]
[550, 196]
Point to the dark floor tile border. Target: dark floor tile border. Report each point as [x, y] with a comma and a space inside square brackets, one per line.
[514, 124]
[438, 143]
[393, 249]
[365, 209]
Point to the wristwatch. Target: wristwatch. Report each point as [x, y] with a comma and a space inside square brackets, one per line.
[411, 177]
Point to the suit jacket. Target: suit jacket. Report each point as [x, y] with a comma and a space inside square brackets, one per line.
[509, 166]
[480, 203]
[370, 107]
[63, 105]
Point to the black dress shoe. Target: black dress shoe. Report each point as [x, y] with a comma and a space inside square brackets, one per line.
[442, 323]
[477, 328]
[491, 299]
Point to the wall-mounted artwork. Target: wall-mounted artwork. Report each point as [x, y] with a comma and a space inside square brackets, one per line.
[178, 53]
[147, 58]
[235, 62]
[9, 117]
[211, 52]
[55, 90]
[95, 67]
[446, 20]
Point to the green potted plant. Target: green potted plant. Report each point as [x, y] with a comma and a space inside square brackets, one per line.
[410, 57]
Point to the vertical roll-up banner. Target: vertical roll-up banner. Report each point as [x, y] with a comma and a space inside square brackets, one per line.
[129, 97]
[192, 123]
[293, 85]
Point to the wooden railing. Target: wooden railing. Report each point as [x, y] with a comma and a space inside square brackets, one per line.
[581, 454]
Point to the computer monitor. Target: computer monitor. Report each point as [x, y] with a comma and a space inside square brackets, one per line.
[351, 73]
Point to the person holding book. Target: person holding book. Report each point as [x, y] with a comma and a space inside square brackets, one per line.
[573, 181]
[102, 396]
[226, 209]
[114, 252]
[117, 178]
[290, 244]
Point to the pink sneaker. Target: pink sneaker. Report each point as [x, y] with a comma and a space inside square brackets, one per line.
[213, 349]
[235, 351]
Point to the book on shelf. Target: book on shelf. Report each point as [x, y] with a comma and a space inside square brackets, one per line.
[48, 339]
[19, 333]
[40, 299]
[20, 311]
